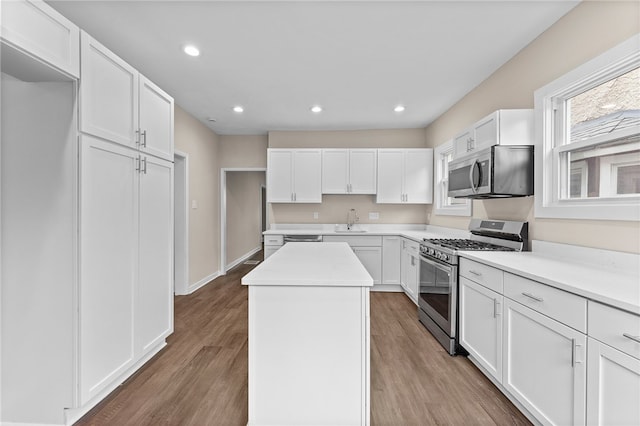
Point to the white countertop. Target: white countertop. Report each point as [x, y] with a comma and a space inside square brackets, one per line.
[304, 264]
[413, 232]
[615, 287]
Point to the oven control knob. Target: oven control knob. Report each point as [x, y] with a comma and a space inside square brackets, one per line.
[438, 255]
[431, 251]
[445, 257]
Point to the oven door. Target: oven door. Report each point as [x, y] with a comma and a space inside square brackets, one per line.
[438, 293]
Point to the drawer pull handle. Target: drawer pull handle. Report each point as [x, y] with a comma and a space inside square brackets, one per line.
[477, 274]
[634, 338]
[531, 296]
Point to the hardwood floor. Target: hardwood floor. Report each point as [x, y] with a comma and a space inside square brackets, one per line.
[200, 378]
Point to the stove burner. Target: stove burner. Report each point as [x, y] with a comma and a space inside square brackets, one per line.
[463, 244]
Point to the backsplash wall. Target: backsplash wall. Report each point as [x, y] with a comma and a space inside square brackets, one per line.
[334, 208]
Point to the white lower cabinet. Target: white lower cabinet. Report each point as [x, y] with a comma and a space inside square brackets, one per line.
[410, 269]
[481, 325]
[126, 266]
[613, 386]
[108, 264]
[544, 365]
[391, 252]
[371, 258]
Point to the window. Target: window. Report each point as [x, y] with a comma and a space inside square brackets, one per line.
[588, 139]
[445, 205]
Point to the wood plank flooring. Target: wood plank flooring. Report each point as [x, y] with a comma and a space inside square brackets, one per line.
[200, 378]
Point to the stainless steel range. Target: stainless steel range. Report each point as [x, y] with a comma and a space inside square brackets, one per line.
[438, 298]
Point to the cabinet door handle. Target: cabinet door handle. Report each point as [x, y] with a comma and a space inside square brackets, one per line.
[476, 273]
[632, 337]
[144, 170]
[574, 354]
[143, 138]
[137, 136]
[495, 308]
[531, 296]
[138, 164]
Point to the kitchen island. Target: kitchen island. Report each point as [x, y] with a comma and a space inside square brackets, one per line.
[309, 337]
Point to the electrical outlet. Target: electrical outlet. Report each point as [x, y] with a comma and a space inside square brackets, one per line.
[374, 215]
[315, 215]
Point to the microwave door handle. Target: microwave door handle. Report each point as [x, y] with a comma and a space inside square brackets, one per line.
[474, 187]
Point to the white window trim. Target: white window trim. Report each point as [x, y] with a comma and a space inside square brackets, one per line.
[548, 203]
[440, 206]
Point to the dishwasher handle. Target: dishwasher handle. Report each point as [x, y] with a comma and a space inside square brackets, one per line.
[302, 239]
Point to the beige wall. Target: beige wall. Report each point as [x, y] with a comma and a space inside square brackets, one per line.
[334, 208]
[201, 144]
[585, 32]
[244, 213]
[243, 151]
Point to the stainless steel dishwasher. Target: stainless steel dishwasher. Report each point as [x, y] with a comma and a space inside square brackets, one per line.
[302, 239]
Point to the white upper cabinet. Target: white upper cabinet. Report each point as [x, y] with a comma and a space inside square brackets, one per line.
[121, 105]
[405, 176]
[294, 176]
[502, 127]
[349, 171]
[108, 95]
[34, 28]
[156, 120]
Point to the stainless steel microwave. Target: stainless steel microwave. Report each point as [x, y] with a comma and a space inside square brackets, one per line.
[499, 171]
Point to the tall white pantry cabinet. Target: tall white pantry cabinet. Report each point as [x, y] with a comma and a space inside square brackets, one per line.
[87, 221]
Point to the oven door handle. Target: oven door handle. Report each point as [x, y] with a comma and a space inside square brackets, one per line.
[442, 266]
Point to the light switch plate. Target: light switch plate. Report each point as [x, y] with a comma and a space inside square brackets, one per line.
[194, 204]
[374, 215]
[315, 215]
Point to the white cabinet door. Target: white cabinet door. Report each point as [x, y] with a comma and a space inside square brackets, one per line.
[108, 94]
[613, 387]
[481, 325]
[463, 143]
[307, 176]
[544, 365]
[391, 252]
[335, 171]
[40, 31]
[371, 258]
[154, 308]
[156, 120]
[390, 176]
[108, 262]
[363, 171]
[418, 176]
[280, 176]
[410, 269]
[485, 131]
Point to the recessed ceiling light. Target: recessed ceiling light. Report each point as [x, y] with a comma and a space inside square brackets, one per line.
[316, 109]
[238, 109]
[399, 108]
[211, 119]
[609, 106]
[191, 50]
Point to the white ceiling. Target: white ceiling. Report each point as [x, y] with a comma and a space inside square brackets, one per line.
[357, 59]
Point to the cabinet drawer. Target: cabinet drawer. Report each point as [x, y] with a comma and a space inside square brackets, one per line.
[273, 240]
[410, 246]
[609, 325]
[487, 276]
[355, 240]
[564, 307]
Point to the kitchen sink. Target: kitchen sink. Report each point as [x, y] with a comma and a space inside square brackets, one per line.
[355, 229]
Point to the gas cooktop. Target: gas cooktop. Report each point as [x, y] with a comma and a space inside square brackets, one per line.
[465, 244]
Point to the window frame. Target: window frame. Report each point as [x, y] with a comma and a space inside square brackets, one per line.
[442, 203]
[549, 202]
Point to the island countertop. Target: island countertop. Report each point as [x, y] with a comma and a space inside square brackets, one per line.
[311, 264]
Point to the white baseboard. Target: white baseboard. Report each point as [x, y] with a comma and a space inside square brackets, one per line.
[27, 424]
[243, 258]
[201, 283]
[395, 288]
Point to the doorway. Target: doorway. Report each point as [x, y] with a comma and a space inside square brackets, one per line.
[181, 223]
[244, 243]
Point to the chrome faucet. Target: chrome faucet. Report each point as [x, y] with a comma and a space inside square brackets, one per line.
[352, 218]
